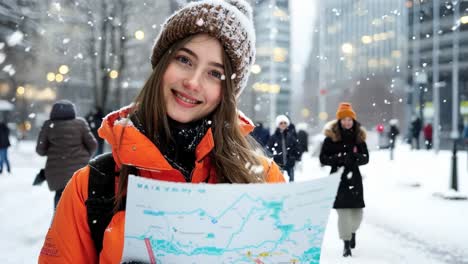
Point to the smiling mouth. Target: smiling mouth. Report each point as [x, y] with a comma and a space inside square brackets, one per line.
[185, 99]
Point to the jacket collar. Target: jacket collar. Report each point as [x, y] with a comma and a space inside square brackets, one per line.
[131, 147]
[332, 131]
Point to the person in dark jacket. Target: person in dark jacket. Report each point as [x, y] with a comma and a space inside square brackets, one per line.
[345, 146]
[68, 144]
[282, 145]
[302, 139]
[4, 145]
[416, 127]
[261, 134]
[94, 119]
[393, 133]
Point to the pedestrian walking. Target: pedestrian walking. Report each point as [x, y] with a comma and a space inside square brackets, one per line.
[283, 146]
[392, 135]
[94, 119]
[183, 126]
[416, 127]
[345, 146]
[428, 136]
[302, 139]
[4, 145]
[261, 134]
[67, 143]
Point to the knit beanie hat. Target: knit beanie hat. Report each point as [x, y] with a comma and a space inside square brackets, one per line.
[228, 21]
[282, 118]
[63, 110]
[345, 110]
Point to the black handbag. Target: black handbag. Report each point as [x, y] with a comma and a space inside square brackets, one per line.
[40, 178]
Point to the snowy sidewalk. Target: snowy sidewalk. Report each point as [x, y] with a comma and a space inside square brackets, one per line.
[26, 210]
[403, 221]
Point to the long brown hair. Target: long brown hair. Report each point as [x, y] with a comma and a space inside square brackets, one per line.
[233, 157]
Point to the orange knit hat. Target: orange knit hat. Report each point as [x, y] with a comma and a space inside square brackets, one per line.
[345, 110]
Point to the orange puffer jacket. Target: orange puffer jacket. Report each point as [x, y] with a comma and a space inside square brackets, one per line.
[68, 239]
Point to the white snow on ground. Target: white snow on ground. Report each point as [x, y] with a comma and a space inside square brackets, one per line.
[402, 223]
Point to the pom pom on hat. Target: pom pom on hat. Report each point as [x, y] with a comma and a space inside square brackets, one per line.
[243, 6]
[345, 110]
[228, 21]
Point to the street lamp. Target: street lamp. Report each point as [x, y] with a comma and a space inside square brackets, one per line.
[463, 19]
[139, 34]
[256, 69]
[347, 48]
[50, 76]
[113, 74]
[366, 39]
[58, 77]
[455, 105]
[20, 91]
[435, 73]
[63, 69]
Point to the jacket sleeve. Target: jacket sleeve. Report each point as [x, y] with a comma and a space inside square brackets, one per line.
[68, 239]
[42, 142]
[362, 156]
[295, 151]
[273, 173]
[328, 158]
[88, 139]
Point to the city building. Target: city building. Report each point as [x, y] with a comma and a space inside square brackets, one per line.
[268, 92]
[358, 55]
[438, 56]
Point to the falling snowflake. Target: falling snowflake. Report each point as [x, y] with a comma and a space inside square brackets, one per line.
[78, 56]
[233, 76]
[200, 22]
[15, 38]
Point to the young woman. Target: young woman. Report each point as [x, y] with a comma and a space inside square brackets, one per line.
[345, 146]
[182, 127]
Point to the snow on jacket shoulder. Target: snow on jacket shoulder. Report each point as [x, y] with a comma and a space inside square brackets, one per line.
[69, 240]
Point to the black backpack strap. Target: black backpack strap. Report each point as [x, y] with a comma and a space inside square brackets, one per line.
[101, 196]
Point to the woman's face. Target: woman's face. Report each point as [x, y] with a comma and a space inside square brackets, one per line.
[347, 123]
[193, 80]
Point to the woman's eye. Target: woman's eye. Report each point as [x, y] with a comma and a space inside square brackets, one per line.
[216, 74]
[183, 59]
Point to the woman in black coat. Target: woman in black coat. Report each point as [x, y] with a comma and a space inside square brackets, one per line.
[283, 146]
[345, 146]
